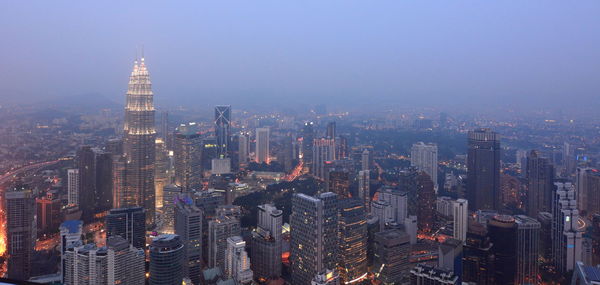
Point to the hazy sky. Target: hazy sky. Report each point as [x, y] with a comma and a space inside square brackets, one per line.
[367, 52]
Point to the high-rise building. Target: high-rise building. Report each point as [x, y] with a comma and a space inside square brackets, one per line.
[86, 164]
[266, 243]
[219, 229]
[127, 223]
[425, 158]
[327, 277]
[540, 184]
[188, 226]
[73, 186]
[161, 170]
[397, 200]
[165, 133]
[364, 188]
[337, 180]
[87, 264]
[450, 254]
[314, 236]
[48, 212]
[585, 274]
[237, 262]
[383, 211]
[119, 169]
[188, 158]
[166, 260]
[478, 258]
[243, 148]
[71, 233]
[138, 145]
[323, 152]
[566, 230]
[308, 136]
[588, 190]
[391, 260]
[426, 199]
[460, 213]
[262, 145]
[331, 130]
[502, 231]
[171, 195]
[483, 169]
[353, 241]
[528, 241]
[125, 262]
[424, 274]
[366, 160]
[223, 130]
[20, 231]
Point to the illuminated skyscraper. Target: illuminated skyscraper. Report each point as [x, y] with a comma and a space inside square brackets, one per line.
[364, 188]
[166, 260]
[20, 231]
[237, 262]
[139, 142]
[188, 225]
[223, 130]
[188, 157]
[262, 145]
[483, 169]
[353, 240]
[73, 186]
[566, 228]
[266, 243]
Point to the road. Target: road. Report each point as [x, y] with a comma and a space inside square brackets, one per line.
[11, 174]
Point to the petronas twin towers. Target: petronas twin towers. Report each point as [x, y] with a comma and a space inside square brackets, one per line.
[138, 144]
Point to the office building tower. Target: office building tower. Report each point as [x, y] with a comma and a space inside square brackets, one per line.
[327, 277]
[86, 163]
[566, 230]
[209, 152]
[397, 200]
[114, 146]
[528, 241]
[444, 206]
[103, 200]
[540, 184]
[138, 145]
[223, 130]
[164, 127]
[219, 229]
[341, 143]
[337, 180]
[426, 199]
[125, 262]
[483, 169]
[71, 233]
[266, 243]
[73, 186]
[391, 260]
[331, 130]
[424, 274]
[161, 171]
[450, 255]
[502, 232]
[585, 274]
[595, 236]
[48, 212]
[308, 136]
[166, 260]
[127, 223]
[546, 221]
[425, 158]
[353, 240]
[323, 152]
[243, 148]
[119, 169]
[237, 262]
[460, 215]
[314, 236]
[262, 145]
[285, 156]
[478, 258]
[188, 158]
[188, 226]
[588, 190]
[364, 188]
[411, 227]
[19, 206]
[366, 160]
[383, 211]
[87, 264]
[171, 195]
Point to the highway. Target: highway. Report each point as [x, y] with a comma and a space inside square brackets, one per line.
[11, 174]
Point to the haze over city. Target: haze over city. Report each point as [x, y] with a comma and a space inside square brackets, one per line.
[467, 54]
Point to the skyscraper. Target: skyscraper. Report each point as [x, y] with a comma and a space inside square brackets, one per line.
[314, 236]
[460, 215]
[566, 231]
[391, 261]
[73, 186]
[161, 170]
[588, 190]
[166, 260]
[138, 146]
[483, 169]
[219, 229]
[425, 158]
[71, 233]
[397, 200]
[125, 262]
[127, 223]
[331, 130]
[243, 148]
[262, 145]
[308, 135]
[540, 184]
[188, 158]
[353, 240]
[323, 151]
[366, 160]
[424, 274]
[364, 188]
[86, 165]
[223, 130]
[502, 232]
[86, 262]
[426, 200]
[337, 180]
[20, 231]
[528, 249]
[266, 243]
[188, 225]
[237, 262]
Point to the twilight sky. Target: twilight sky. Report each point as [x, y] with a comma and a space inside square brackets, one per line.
[437, 53]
